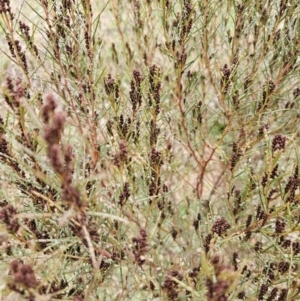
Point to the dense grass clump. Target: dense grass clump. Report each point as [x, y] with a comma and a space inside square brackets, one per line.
[149, 150]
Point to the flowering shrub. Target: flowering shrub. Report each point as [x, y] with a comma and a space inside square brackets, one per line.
[148, 150]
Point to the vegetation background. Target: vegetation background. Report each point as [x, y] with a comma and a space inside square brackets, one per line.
[149, 150]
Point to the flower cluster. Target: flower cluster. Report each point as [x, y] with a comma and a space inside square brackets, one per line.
[23, 274]
[170, 286]
[220, 226]
[278, 142]
[236, 155]
[140, 247]
[60, 157]
[7, 216]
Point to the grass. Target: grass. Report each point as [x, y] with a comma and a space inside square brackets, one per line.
[149, 150]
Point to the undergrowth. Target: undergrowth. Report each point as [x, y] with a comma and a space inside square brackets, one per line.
[149, 150]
